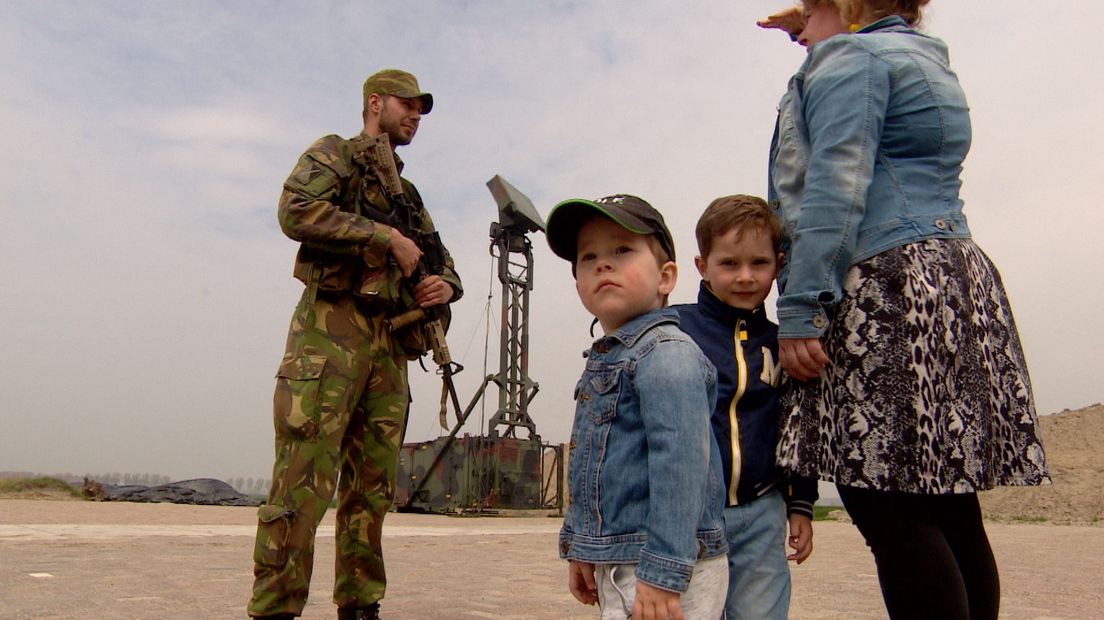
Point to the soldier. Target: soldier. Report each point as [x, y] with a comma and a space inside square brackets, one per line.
[341, 394]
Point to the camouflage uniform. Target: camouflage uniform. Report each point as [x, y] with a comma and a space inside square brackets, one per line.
[341, 394]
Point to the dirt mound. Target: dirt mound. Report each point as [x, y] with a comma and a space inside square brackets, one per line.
[1074, 444]
[41, 487]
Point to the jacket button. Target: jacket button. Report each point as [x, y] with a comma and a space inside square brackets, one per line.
[819, 321]
[941, 224]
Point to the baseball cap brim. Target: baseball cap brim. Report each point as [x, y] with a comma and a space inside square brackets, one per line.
[565, 219]
[427, 99]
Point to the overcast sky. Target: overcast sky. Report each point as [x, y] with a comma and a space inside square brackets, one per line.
[147, 288]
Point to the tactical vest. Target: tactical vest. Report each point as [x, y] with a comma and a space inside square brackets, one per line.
[323, 270]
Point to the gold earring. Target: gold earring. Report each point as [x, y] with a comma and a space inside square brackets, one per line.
[854, 27]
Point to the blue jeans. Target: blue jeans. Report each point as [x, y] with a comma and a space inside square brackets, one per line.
[758, 577]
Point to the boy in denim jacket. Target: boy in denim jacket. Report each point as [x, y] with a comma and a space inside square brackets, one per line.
[643, 531]
[739, 239]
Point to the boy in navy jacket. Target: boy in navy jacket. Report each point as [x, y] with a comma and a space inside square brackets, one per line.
[738, 240]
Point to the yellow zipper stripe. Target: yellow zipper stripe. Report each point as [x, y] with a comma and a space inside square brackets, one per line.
[739, 337]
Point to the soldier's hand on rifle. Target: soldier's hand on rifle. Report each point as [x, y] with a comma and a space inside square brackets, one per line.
[431, 291]
[405, 251]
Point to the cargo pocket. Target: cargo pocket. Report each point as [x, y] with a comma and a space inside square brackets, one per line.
[296, 404]
[273, 532]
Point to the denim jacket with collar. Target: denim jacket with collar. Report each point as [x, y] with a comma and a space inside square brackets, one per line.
[866, 156]
[644, 470]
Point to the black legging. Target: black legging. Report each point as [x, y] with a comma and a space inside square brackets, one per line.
[933, 558]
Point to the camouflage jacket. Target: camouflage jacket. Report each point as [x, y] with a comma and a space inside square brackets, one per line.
[325, 206]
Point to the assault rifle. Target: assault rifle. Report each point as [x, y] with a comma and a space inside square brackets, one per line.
[381, 159]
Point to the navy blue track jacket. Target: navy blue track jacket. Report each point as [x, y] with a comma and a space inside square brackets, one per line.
[743, 345]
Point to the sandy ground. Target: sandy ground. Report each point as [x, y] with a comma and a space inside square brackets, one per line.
[72, 559]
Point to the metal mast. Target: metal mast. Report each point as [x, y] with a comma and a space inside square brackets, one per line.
[500, 470]
[511, 246]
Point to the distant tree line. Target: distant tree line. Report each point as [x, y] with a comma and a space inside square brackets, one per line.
[250, 486]
[146, 480]
[246, 486]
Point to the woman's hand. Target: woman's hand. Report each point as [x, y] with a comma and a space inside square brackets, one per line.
[802, 358]
[791, 21]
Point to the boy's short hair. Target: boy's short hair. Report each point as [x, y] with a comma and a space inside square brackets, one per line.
[740, 212]
[632, 213]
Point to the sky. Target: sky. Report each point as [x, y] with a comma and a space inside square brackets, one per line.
[147, 287]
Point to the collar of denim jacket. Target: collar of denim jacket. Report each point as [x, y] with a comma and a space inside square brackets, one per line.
[895, 22]
[630, 333]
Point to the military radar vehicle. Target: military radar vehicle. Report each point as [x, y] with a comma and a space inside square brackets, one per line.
[509, 467]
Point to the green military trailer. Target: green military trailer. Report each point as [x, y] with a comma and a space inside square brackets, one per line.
[479, 474]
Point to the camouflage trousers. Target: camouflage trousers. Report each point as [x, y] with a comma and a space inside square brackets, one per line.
[340, 406]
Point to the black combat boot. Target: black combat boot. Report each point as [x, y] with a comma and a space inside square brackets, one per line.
[370, 612]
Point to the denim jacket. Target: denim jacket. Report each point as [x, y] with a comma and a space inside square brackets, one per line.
[866, 157]
[644, 470]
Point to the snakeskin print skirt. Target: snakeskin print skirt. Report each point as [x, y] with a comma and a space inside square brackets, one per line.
[927, 390]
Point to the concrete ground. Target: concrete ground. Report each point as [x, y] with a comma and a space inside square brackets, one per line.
[72, 559]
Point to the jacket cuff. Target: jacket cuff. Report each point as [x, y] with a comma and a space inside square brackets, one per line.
[376, 248]
[454, 280]
[802, 316]
[800, 507]
[801, 494]
[664, 573]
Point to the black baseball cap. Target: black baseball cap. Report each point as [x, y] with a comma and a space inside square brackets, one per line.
[632, 213]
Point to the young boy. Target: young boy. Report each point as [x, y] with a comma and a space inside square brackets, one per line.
[643, 531]
[738, 240]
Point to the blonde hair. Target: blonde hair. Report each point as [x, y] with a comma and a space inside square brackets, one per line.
[872, 10]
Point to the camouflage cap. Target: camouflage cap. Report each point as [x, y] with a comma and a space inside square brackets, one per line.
[398, 84]
[632, 213]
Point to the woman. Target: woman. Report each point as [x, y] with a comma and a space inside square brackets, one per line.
[911, 389]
